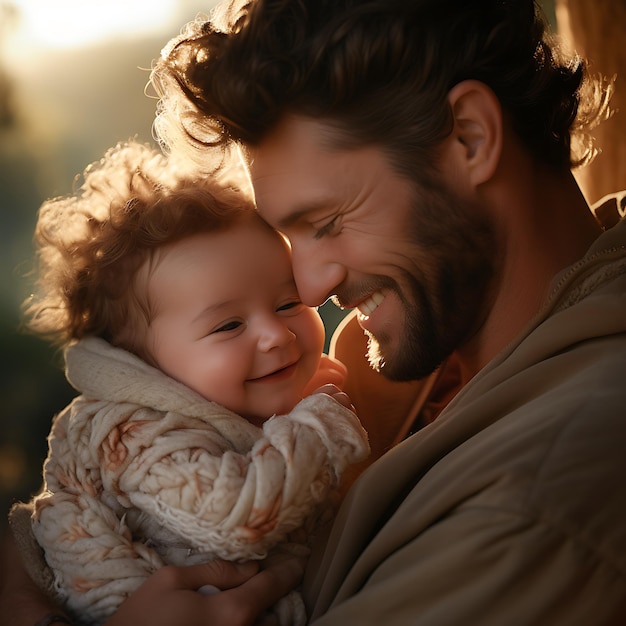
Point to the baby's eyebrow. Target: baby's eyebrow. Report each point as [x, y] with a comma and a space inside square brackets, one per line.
[213, 309]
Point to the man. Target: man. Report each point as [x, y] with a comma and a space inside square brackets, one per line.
[417, 155]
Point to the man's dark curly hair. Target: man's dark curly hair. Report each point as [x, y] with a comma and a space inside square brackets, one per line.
[378, 70]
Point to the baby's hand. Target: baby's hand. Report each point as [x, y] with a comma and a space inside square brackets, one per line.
[334, 392]
[329, 372]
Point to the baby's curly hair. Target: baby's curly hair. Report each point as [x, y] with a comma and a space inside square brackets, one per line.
[91, 245]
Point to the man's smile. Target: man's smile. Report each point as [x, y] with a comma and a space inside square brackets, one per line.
[370, 304]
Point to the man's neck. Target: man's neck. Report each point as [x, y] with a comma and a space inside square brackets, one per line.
[544, 227]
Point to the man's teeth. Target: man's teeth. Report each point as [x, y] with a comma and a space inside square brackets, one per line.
[367, 307]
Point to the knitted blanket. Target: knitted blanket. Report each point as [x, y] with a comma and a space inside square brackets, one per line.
[143, 472]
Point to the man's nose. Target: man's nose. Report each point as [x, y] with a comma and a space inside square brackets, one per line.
[316, 278]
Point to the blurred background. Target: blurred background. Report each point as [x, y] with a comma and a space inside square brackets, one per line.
[72, 79]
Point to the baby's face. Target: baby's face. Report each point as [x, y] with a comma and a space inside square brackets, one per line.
[228, 321]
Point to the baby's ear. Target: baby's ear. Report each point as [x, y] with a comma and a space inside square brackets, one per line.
[477, 129]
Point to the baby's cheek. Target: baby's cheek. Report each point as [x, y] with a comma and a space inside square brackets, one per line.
[317, 331]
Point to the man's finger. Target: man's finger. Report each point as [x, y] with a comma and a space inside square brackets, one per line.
[265, 589]
[219, 574]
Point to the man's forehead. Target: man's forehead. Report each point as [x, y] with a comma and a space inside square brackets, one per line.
[297, 170]
[292, 141]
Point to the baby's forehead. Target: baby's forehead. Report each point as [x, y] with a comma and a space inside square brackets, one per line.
[248, 258]
[255, 219]
[243, 246]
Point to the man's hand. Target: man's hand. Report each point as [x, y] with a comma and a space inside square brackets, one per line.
[170, 595]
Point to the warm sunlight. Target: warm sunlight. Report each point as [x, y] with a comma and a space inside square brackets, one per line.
[74, 23]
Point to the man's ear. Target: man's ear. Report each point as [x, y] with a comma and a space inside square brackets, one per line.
[478, 127]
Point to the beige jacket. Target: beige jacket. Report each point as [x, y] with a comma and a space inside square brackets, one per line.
[509, 509]
[143, 472]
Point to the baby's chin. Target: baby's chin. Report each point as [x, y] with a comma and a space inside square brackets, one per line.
[278, 409]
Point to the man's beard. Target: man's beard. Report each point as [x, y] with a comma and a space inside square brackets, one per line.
[418, 353]
[447, 296]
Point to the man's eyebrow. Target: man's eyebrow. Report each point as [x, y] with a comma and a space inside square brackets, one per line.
[298, 213]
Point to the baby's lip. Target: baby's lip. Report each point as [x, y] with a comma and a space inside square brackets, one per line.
[283, 371]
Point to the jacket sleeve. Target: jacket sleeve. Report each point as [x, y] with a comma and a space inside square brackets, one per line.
[95, 562]
[236, 503]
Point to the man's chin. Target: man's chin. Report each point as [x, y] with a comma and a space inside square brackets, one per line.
[376, 358]
[397, 366]
[376, 362]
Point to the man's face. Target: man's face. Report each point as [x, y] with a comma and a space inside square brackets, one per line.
[415, 261]
[228, 321]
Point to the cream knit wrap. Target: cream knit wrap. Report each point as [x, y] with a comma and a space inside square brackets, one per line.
[142, 471]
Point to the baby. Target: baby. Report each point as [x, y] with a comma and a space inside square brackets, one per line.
[196, 434]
